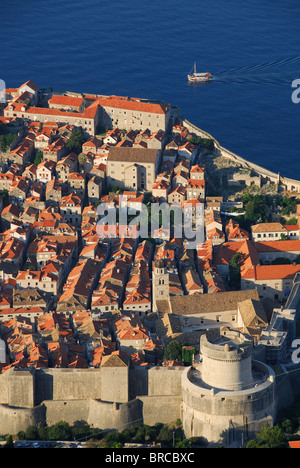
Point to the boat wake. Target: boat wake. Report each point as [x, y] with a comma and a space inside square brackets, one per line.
[260, 73]
[258, 80]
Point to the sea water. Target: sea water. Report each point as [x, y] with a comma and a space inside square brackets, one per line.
[146, 49]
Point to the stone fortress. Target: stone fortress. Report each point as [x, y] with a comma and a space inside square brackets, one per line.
[228, 394]
[226, 397]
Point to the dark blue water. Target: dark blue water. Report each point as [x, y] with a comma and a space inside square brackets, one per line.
[146, 49]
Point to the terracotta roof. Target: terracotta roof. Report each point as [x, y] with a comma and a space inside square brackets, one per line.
[224, 252]
[93, 142]
[275, 246]
[197, 168]
[71, 199]
[253, 315]
[292, 227]
[196, 183]
[31, 84]
[66, 100]
[273, 272]
[294, 443]
[210, 303]
[268, 227]
[136, 155]
[88, 113]
[133, 104]
[115, 359]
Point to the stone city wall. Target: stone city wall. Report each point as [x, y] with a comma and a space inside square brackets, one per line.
[272, 176]
[100, 397]
[291, 185]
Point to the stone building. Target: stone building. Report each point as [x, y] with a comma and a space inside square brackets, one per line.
[54, 192]
[68, 103]
[94, 188]
[76, 184]
[271, 281]
[132, 168]
[66, 166]
[134, 114]
[55, 151]
[268, 231]
[228, 397]
[160, 283]
[71, 207]
[88, 119]
[225, 399]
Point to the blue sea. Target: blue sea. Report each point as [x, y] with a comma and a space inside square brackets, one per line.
[147, 48]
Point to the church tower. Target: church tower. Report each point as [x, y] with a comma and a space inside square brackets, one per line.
[160, 283]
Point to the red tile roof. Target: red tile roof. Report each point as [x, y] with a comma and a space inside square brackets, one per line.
[71, 101]
[280, 245]
[133, 104]
[272, 272]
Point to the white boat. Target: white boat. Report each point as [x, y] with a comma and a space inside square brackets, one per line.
[197, 77]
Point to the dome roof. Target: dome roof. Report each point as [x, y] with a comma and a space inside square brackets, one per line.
[159, 263]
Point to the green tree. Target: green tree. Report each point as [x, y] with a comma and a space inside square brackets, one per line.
[187, 355]
[32, 433]
[5, 197]
[165, 435]
[6, 137]
[21, 435]
[287, 426]
[150, 434]
[82, 158]
[291, 222]
[38, 158]
[235, 271]
[256, 209]
[43, 433]
[113, 438]
[60, 431]
[208, 143]
[9, 442]
[75, 142]
[186, 443]
[115, 188]
[269, 437]
[289, 205]
[173, 351]
[253, 444]
[196, 140]
[81, 431]
[140, 435]
[6, 141]
[92, 443]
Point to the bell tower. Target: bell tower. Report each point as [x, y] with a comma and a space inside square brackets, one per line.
[160, 283]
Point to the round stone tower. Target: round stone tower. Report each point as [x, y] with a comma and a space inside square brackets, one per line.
[227, 362]
[228, 396]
